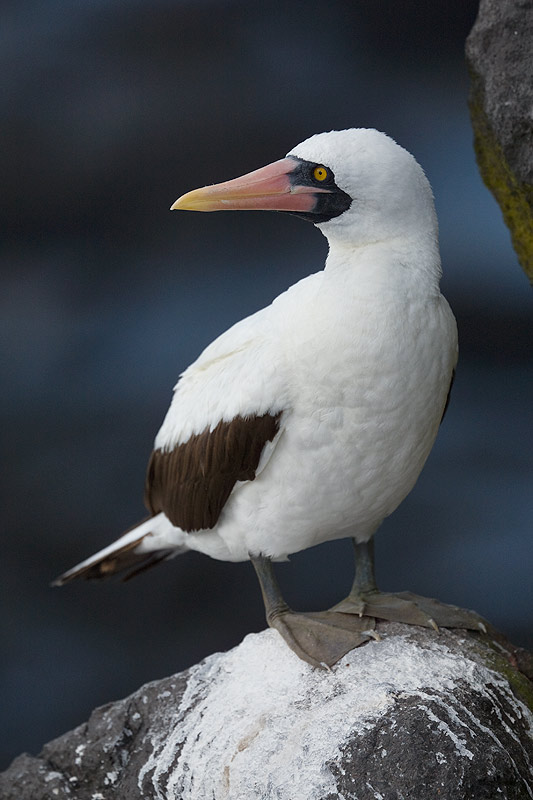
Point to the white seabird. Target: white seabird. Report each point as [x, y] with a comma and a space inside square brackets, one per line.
[312, 419]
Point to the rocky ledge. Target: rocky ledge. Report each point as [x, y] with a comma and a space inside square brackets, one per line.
[419, 714]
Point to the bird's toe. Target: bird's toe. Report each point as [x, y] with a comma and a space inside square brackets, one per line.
[411, 609]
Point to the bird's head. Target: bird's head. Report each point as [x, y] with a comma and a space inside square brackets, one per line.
[357, 185]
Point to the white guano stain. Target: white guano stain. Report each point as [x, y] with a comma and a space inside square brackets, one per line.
[460, 744]
[377, 795]
[258, 721]
[51, 776]
[80, 749]
[488, 732]
[110, 778]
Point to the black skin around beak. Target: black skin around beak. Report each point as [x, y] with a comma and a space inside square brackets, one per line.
[330, 202]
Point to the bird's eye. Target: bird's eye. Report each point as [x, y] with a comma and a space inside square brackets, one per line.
[320, 173]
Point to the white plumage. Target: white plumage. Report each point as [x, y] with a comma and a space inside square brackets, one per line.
[357, 359]
[362, 382]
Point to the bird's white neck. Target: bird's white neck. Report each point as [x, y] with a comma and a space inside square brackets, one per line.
[400, 262]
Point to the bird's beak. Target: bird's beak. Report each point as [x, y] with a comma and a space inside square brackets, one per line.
[271, 188]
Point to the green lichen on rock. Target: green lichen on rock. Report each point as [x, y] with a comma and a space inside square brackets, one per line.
[498, 51]
[514, 664]
[514, 197]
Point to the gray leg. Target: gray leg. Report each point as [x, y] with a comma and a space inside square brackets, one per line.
[365, 598]
[272, 597]
[364, 582]
[365, 579]
[320, 638]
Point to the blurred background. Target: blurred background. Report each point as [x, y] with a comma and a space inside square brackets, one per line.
[110, 111]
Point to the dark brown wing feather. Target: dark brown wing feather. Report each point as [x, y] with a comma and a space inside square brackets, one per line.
[192, 482]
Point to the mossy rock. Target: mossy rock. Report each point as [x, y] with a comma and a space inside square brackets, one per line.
[501, 98]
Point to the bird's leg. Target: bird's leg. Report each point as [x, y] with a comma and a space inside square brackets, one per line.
[272, 597]
[365, 598]
[320, 638]
[364, 582]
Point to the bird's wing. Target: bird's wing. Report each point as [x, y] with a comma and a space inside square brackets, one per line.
[447, 403]
[222, 426]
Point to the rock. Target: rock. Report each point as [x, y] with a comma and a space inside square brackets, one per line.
[498, 52]
[417, 715]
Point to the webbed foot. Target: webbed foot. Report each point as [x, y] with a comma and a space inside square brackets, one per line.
[410, 608]
[319, 637]
[323, 637]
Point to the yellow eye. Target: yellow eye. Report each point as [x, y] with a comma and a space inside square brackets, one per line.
[320, 173]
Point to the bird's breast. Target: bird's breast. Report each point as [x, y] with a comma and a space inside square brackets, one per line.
[375, 358]
[367, 396]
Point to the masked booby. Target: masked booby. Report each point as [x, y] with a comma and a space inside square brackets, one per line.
[311, 419]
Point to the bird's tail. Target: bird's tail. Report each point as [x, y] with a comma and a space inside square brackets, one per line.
[151, 541]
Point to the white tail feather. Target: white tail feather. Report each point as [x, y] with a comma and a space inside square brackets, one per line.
[152, 540]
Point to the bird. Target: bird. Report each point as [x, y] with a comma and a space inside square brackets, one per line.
[311, 419]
